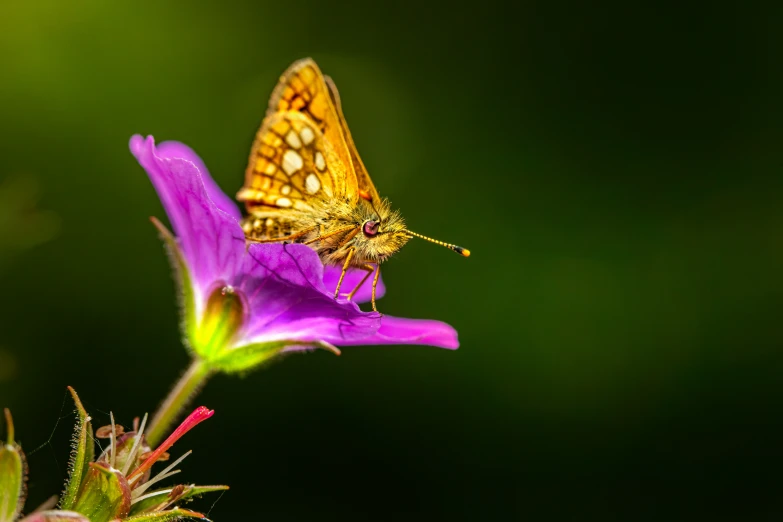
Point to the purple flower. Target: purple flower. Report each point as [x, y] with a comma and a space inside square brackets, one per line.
[244, 304]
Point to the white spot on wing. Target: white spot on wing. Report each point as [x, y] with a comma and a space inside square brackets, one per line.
[312, 183]
[286, 190]
[307, 135]
[293, 139]
[320, 163]
[283, 202]
[292, 162]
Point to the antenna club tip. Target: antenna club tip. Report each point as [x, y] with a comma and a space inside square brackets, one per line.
[462, 251]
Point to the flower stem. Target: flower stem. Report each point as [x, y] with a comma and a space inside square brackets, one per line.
[178, 398]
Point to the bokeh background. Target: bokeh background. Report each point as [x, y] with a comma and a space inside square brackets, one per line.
[615, 170]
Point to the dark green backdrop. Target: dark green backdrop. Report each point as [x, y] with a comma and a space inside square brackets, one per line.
[615, 170]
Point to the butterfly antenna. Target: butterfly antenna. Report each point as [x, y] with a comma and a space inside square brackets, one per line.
[372, 204]
[458, 249]
[368, 197]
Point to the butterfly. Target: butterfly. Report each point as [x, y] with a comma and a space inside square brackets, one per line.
[306, 183]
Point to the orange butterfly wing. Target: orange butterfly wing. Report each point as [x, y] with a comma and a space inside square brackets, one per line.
[363, 180]
[304, 148]
[290, 164]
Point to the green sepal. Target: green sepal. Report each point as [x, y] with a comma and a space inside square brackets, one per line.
[167, 516]
[104, 495]
[55, 516]
[245, 358]
[13, 475]
[161, 496]
[187, 299]
[81, 456]
[12, 479]
[251, 356]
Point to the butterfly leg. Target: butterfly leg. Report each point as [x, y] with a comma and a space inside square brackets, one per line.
[330, 234]
[369, 267]
[345, 269]
[375, 285]
[350, 235]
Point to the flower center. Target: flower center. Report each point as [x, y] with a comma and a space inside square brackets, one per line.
[223, 318]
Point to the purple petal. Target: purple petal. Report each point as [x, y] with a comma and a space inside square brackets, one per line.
[175, 149]
[211, 240]
[351, 279]
[284, 288]
[399, 330]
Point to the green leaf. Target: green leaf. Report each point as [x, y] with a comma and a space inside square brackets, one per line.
[104, 495]
[83, 453]
[166, 516]
[161, 496]
[247, 357]
[13, 473]
[187, 298]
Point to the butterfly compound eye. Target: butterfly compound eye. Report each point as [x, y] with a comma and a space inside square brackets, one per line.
[370, 228]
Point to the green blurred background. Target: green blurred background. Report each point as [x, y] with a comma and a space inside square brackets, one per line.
[615, 170]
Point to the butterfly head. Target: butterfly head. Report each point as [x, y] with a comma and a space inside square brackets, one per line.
[382, 232]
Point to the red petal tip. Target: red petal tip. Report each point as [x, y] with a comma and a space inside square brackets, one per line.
[201, 413]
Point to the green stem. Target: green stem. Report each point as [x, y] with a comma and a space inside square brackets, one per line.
[178, 398]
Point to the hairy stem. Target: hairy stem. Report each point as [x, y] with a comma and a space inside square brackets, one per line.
[178, 398]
